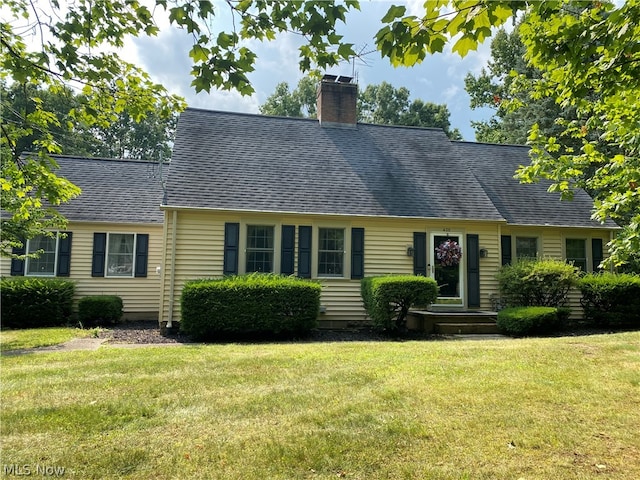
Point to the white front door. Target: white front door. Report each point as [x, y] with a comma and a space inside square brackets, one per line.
[446, 261]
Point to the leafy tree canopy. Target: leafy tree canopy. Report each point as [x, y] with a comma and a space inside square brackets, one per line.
[382, 104]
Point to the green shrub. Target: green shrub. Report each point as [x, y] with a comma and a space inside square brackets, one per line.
[32, 302]
[521, 321]
[387, 299]
[249, 305]
[610, 299]
[99, 310]
[543, 283]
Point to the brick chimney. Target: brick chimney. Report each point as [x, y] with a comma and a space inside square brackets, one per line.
[337, 98]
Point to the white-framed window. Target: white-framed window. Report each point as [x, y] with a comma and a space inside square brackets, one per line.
[260, 248]
[526, 248]
[45, 264]
[120, 254]
[576, 252]
[331, 249]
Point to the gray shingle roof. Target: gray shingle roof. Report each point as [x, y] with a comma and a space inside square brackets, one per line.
[494, 167]
[120, 191]
[237, 161]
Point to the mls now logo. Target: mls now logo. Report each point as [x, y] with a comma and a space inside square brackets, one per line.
[28, 470]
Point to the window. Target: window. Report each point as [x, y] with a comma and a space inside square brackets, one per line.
[526, 247]
[331, 252]
[45, 264]
[120, 254]
[576, 253]
[259, 248]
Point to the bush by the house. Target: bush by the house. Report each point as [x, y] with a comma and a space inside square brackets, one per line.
[522, 321]
[249, 305]
[543, 283]
[611, 299]
[387, 299]
[36, 302]
[99, 310]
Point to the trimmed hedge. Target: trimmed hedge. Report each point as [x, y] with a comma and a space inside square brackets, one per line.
[610, 299]
[249, 305]
[99, 310]
[34, 302]
[544, 283]
[522, 321]
[387, 299]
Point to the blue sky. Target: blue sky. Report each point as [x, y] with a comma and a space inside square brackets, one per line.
[439, 79]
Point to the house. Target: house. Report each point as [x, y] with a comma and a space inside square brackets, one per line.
[113, 242]
[334, 200]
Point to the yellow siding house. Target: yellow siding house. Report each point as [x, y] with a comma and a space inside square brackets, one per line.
[334, 200]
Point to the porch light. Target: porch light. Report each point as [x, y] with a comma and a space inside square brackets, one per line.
[484, 253]
[409, 251]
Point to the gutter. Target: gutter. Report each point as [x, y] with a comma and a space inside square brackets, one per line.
[317, 214]
[172, 274]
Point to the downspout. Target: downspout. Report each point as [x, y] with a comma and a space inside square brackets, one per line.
[611, 238]
[172, 274]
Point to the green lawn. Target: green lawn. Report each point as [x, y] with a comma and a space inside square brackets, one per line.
[39, 337]
[560, 408]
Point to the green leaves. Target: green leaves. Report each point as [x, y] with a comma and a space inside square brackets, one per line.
[405, 40]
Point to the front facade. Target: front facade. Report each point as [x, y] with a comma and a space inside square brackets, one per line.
[113, 241]
[335, 201]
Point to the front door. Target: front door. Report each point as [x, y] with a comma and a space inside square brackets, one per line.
[446, 268]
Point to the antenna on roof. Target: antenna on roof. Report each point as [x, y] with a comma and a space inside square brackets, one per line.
[360, 57]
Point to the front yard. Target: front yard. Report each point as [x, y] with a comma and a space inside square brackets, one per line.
[495, 409]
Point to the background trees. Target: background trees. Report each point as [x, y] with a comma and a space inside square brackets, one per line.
[150, 139]
[516, 111]
[381, 104]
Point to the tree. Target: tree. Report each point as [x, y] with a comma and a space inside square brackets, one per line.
[381, 104]
[589, 60]
[301, 102]
[149, 139]
[515, 110]
[75, 50]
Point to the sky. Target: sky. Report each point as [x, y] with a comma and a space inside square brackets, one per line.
[439, 79]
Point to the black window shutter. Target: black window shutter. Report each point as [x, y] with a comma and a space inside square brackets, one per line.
[64, 254]
[17, 266]
[304, 252]
[420, 253]
[99, 253]
[357, 253]
[142, 254]
[473, 270]
[505, 243]
[288, 250]
[596, 253]
[231, 242]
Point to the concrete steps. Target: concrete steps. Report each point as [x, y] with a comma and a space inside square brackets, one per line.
[455, 323]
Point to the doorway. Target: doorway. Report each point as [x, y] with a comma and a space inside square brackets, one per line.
[446, 261]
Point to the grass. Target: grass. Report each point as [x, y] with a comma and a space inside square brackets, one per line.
[39, 337]
[564, 408]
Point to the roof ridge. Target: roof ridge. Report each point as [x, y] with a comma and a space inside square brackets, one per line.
[106, 159]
